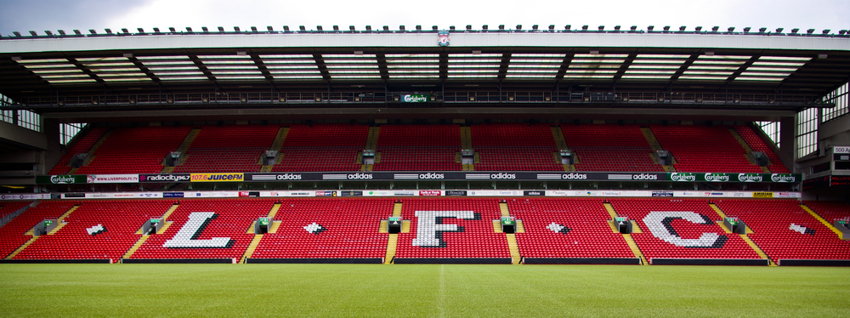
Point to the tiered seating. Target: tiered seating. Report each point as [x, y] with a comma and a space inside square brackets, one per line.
[344, 228]
[758, 144]
[585, 232]
[228, 149]
[783, 230]
[135, 150]
[610, 148]
[704, 239]
[233, 218]
[119, 220]
[513, 147]
[704, 149]
[81, 144]
[322, 148]
[418, 148]
[475, 238]
[13, 234]
[830, 211]
[9, 207]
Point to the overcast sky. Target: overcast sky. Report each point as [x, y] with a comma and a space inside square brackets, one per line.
[40, 15]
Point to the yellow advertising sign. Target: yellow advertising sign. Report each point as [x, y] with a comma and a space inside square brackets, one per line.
[218, 177]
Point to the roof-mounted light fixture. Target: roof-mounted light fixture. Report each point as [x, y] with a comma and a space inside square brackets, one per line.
[140, 30]
[795, 30]
[584, 27]
[48, 32]
[810, 31]
[762, 30]
[535, 27]
[77, 32]
[731, 29]
[17, 34]
[650, 28]
[221, 29]
[205, 29]
[302, 28]
[682, 28]
[351, 28]
[826, 31]
[92, 32]
[551, 28]
[172, 29]
[617, 28]
[747, 29]
[269, 28]
[189, 29]
[285, 28]
[368, 28]
[108, 30]
[319, 28]
[633, 28]
[698, 29]
[386, 28]
[715, 28]
[62, 32]
[779, 30]
[518, 27]
[254, 29]
[601, 28]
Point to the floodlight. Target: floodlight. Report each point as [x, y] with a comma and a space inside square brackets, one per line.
[826, 31]
[715, 28]
[794, 30]
[418, 28]
[650, 28]
[434, 27]
[205, 29]
[319, 28]
[140, 30]
[253, 29]
[237, 29]
[221, 29]
[779, 30]
[682, 28]
[501, 27]
[451, 27]
[584, 27]
[568, 27]
[77, 32]
[762, 30]
[747, 29]
[302, 28]
[666, 28]
[351, 28]
[336, 28]
[108, 31]
[48, 32]
[369, 28]
[92, 31]
[62, 32]
[518, 27]
[469, 27]
[617, 28]
[601, 28]
[535, 27]
[172, 29]
[270, 28]
[386, 28]
[698, 29]
[731, 29]
[810, 31]
[485, 27]
[189, 29]
[633, 28]
[286, 28]
[17, 34]
[551, 28]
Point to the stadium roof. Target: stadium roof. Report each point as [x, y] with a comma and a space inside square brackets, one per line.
[761, 66]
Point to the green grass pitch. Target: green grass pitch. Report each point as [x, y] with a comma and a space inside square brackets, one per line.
[251, 290]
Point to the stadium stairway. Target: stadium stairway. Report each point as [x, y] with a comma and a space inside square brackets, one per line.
[259, 237]
[628, 237]
[561, 143]
[187, 142]
[822, 220]
[513, 247]
[92, 151]
[371, 143]
[465, 143]
[747, 148]
[655, 145]
[276, 145]
[144, 237]
[392, 240]
[746, 238]
[60, 225]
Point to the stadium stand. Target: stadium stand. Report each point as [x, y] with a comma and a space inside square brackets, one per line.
[681, 228]
[328, 229]
[514, 147]
[14, 234]
[135, 150]
[757, 143]
[704, 149]
[206, 229]
[558, 228]
[96, 230]
[466, 235]
[9, 207]
[228, 149]
[322, 148]
[418, 148]
[81, 144]
[785, 231]
[609, 148]
[830, 211]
